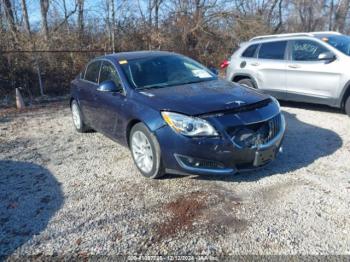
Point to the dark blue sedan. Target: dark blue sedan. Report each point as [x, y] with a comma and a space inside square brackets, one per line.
[175, 115]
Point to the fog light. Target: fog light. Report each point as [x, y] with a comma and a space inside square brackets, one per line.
[198, 163]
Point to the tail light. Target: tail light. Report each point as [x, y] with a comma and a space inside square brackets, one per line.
[224, 64]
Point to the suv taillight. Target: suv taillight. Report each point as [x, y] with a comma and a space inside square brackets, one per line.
[224, 64]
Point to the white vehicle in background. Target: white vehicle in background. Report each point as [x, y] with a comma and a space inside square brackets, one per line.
[305, 67]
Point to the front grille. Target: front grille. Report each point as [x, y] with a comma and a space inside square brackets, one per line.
[274, 126]
[256, 134]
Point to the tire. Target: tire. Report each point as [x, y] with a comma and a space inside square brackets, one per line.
[145, 151]
[78, 118]
[246, 82]
[347, 106]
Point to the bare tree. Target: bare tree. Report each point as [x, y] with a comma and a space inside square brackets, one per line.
[65, 14]
[108, 22]
[340, 15]
[9, 15]
[25, 17]
[32, 44]
[149, 10]
[80, 18]
[113, 25]
[157, 4]
[1, 18]
[44, 8]
[310, 14]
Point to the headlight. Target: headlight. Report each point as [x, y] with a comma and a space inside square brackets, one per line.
[276, 102]
[188, 126]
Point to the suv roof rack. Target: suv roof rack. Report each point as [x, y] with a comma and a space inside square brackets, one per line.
[326, 33]
[292, 34]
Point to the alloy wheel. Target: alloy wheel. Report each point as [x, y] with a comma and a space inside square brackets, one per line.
[76, 115]
[142, 151]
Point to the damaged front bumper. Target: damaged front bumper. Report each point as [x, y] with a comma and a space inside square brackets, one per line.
[215, 156]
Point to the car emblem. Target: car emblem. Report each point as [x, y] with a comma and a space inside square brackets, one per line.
[237, 102]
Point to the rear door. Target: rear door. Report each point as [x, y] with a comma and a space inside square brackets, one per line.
[89, 84]
[307, 76]
[270, 67]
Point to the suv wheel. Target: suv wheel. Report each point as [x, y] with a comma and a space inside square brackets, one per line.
[246, 82]
[347, 106]
[146, 152]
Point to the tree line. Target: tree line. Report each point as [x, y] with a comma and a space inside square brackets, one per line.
[45, 43]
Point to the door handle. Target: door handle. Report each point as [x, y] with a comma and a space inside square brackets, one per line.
[255, 64]
[294, 66]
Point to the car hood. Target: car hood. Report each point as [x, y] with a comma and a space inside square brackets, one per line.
[201, 98]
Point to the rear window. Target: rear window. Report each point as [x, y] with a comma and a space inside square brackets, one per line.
[92, 72]
[250, 51]
[273, 50]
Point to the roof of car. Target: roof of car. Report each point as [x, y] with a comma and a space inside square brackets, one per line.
[283, 36]
[136, 54]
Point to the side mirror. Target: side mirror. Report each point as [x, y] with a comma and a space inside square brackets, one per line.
[109, 86]
[327, 56]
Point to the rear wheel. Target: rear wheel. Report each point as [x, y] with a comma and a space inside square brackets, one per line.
[347, 106]
[246, 82]
[77, 118]
[146, 152]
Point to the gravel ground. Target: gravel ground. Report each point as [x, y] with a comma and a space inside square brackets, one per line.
[65, 193]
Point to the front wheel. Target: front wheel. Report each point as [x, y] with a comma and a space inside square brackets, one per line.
[347, 106]
[146, 152]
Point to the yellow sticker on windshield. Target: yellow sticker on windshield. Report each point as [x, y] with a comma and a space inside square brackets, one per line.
[123, 62]
[325, 39]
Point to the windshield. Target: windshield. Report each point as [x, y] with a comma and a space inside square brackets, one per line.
[340, 42]
[163, 71]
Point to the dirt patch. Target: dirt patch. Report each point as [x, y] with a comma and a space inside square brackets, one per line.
[183, 211]
[214, 210]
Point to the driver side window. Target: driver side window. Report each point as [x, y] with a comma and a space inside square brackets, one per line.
[307, 50]
[108, 72]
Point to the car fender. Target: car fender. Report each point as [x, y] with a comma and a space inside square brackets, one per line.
[137, 112]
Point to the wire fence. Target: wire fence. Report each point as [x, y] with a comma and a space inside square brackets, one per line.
[49, 72]
[41, 72]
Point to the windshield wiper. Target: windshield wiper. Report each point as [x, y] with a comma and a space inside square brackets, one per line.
[198, 81]
[151, 87]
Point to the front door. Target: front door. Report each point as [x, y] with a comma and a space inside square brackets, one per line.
[307, 75]
[110, 103]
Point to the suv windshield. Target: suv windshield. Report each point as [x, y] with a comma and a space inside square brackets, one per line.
[163, 71]
[340, 42]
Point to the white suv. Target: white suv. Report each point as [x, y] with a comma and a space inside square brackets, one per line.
[305, 67]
